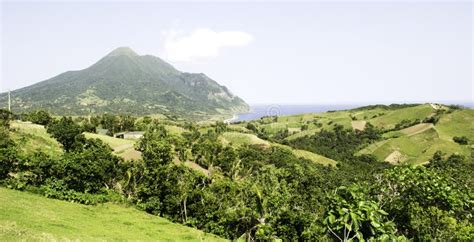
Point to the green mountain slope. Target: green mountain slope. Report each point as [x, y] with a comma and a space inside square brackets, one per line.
[125, 82]
[414, 143]
[30, 217]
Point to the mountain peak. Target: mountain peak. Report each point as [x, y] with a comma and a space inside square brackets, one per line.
[124, 50]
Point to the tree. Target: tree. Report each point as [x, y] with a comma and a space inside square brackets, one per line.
[41, 117]
[8, 153]
[419, 199]
[126, 123]
[155, 147]
[5, 118]
[220, 127]
[89, 168]
[110, 122]
[352, 216]
[66, 132]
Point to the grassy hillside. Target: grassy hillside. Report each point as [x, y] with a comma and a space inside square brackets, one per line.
[457, 123]
[415, 149]
[415, 144]
[33, 137]
[237, 139]
[390, 118]
[30, 217]
[122, 147]
[418, 143]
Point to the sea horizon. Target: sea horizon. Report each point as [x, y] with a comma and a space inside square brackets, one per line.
[259, 110]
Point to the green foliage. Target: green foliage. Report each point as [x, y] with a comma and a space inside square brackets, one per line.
[338, 144]
[8, 152]
[352, 216]
[58, 189]
[241, 187]
[41, 117]
[89, 168]
[5, 118]
[66, 132]
[406, 123]
[463, 140]
[422, 201]
[156, 150]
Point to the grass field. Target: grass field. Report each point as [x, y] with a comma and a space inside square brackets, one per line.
[32, 137]
[391, 118]
[122, 147]
[239, 139]
[30, 217]
[415, 144]
[310, 156]
[457, 123]
[417, 148]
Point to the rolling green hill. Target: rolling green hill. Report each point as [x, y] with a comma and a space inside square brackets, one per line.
[30, 217]
[237, 139]
[125, 82]
[415, 143]
[33, 137]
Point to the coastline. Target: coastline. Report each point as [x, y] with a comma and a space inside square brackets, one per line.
[234, 117]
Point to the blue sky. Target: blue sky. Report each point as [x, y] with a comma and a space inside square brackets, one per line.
[265, 52]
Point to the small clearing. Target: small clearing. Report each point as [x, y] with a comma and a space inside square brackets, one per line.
[238, 139]
[395, 158]
[197, 167]
[122, 147]
[358, 125]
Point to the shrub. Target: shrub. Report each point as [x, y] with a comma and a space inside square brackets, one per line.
[66, 132]
[41, 117]
[88, 169]
[463, 140]
[351, 215]
[58, 189]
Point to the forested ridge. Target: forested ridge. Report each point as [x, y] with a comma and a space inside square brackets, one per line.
[255, 191]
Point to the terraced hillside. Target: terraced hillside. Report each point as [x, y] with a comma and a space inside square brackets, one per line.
[409, 135]
[30, 217]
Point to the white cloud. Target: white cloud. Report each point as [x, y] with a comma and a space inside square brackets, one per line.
[202, 43]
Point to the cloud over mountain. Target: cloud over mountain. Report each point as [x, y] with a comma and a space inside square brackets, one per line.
[202, 43]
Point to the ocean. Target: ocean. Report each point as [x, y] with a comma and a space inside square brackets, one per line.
[261, 110]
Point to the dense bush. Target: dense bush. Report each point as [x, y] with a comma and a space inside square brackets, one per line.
[353, 215]
[424, 203]
[89, 168]
[463, 140]
[66, 132]
[8, 148]
[41, 117]
[338, 144]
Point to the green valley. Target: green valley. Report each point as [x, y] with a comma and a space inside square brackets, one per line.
[243, 180]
